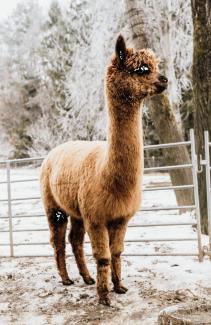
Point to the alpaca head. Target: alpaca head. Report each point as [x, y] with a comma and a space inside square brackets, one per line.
[133, 75]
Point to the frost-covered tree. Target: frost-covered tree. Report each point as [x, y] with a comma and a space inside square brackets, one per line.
[78, 41]
[53, 65]
[85, 80]
[155, 24]
[63, 33]
[20, 74]
[56, 51]
[171, 36]
[45, 132]
[166, 27]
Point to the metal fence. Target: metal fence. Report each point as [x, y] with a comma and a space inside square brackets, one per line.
[193, 166]
[206, 162]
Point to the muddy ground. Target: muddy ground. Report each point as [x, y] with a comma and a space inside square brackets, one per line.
[31, 291]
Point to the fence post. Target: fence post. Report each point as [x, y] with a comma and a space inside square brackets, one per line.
[196, 193]
[9, 209]
[207, 160]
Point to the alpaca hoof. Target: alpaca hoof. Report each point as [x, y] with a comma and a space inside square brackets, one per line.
[120, 289]
[105, 301]
[67, 282]
[89, 280]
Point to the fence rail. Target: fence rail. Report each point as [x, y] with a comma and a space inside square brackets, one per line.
[193, 165]
[130, 226]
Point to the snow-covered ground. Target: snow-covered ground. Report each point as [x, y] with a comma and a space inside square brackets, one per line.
[30, 289]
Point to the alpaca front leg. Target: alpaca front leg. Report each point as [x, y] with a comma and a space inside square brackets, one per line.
[117, 230]
[76, 238]
[100, 246]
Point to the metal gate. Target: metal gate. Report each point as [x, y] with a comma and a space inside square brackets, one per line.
[10, 217]
[206, 162]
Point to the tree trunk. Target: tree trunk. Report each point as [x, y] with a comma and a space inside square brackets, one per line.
[161, 112]
[168, 131]
[201, 76]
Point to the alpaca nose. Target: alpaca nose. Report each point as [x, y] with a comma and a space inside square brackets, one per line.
[162, 79]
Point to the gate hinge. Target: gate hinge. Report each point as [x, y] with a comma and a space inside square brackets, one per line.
[202, 162]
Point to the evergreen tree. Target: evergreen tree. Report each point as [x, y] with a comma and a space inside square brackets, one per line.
[20, 77]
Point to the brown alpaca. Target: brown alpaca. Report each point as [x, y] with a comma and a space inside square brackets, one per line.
[98, 184]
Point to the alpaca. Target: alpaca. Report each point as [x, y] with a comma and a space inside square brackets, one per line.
[98, 183]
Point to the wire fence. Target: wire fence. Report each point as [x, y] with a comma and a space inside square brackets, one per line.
[10, 200]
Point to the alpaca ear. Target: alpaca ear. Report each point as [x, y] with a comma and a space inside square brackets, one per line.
[120, 50]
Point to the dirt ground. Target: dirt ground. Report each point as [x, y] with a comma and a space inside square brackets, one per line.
[31, 291]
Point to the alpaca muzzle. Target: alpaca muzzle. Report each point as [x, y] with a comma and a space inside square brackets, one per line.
[162, 84]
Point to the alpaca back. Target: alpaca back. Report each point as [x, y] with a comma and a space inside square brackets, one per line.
[66, 169]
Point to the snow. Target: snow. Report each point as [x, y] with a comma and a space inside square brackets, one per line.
[30, 288]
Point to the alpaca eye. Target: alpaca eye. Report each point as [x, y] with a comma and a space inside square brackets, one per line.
[143, 69]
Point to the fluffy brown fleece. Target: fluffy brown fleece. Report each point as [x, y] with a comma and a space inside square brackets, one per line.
[98, 184]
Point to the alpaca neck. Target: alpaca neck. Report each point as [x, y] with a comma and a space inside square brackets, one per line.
[125, 145]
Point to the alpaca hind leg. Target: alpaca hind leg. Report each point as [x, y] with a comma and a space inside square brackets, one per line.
[100, 246]
[76, 238]
[117, 230]
[57, 220]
